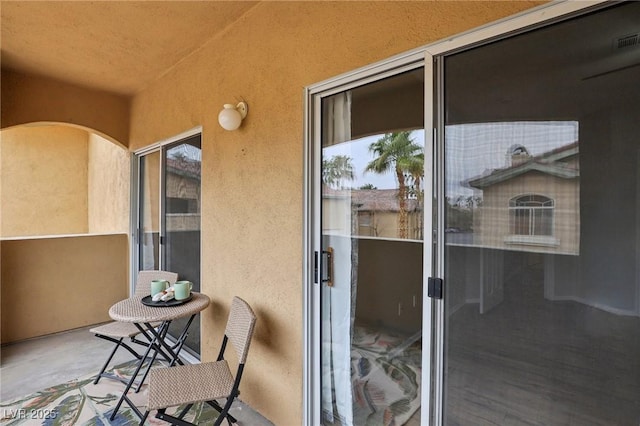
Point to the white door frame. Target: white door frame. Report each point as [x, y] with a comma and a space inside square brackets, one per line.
[311, 294]
[430, 57]
[134, 261]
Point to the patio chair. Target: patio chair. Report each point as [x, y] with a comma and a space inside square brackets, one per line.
[116, 331]
[206, 382]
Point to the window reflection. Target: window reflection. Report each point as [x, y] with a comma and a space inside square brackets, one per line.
[379, 178]
[531, 215]
[182, 189]
[371, 211]
[518, 186]
[542, 242]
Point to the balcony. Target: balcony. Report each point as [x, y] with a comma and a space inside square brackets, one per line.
[53, 289]
[33, 365]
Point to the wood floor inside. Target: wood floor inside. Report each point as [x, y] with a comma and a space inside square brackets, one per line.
[531, 361]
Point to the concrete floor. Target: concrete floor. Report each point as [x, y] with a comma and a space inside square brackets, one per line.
[29, 366]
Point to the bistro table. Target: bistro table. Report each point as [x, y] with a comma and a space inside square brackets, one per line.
[144, 317]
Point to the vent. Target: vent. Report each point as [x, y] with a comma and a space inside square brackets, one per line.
[627, 41]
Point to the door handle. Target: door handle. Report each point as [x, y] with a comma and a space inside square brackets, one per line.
[435, 288]
[329, 253]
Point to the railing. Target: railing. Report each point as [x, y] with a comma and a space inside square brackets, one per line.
[58, 283]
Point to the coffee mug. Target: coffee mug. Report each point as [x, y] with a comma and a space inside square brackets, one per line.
[182, 289]
[158, 286]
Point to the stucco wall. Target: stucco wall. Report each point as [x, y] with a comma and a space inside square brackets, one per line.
[56, 284]
[108, 186]
[31, 99]
[252, 178]
[44, 181]
[62, 180]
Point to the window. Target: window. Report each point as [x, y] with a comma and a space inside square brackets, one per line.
[168, 216]
[531, 215]
[365, 224]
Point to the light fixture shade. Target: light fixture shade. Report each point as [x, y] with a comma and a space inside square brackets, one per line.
[231, 116]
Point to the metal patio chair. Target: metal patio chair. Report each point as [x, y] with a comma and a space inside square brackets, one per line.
[116, 331]
[206, 382]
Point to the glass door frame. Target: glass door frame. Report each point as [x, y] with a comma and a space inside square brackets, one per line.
[136, 179]
[136, 192]
[435, 55]
[312, 227]
[431, 57]
[136, 176]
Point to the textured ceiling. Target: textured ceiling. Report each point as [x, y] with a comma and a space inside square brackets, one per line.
[117, 46]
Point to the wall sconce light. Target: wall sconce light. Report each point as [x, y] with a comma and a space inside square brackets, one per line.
[231, 116]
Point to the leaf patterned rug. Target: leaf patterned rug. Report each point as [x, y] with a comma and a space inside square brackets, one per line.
[385, 376]
[80, 402]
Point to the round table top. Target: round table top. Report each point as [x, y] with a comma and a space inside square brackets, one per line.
[132, 309]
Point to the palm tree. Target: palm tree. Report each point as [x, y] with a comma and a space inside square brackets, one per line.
[337, 169]
[398, 152]
[415, 171]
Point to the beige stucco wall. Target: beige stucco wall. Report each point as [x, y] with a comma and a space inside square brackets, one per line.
[252, 213]
[108, 186]
[56, 284]
[59, 179]
[56, 180]
[44, 181]
[30, 99]
[385, 224]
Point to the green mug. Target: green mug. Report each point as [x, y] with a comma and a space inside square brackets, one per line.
[158, 286]
[182, 289]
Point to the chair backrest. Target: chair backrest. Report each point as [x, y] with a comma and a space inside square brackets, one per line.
[240, 326]
[143, 283]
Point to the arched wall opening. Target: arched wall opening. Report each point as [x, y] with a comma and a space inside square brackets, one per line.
[64, 220]
[60, 179]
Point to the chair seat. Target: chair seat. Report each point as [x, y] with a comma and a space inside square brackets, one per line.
[119, 329]
[169, 387]
[116, 329]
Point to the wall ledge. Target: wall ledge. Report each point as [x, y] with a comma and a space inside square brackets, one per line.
[48, 237]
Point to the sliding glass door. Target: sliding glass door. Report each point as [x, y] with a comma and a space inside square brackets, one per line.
[149, 211]
[542, 226]
[502, 280]
[169, 216]
[370, 254]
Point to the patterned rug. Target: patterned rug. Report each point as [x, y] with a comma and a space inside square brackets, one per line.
[80, 402]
